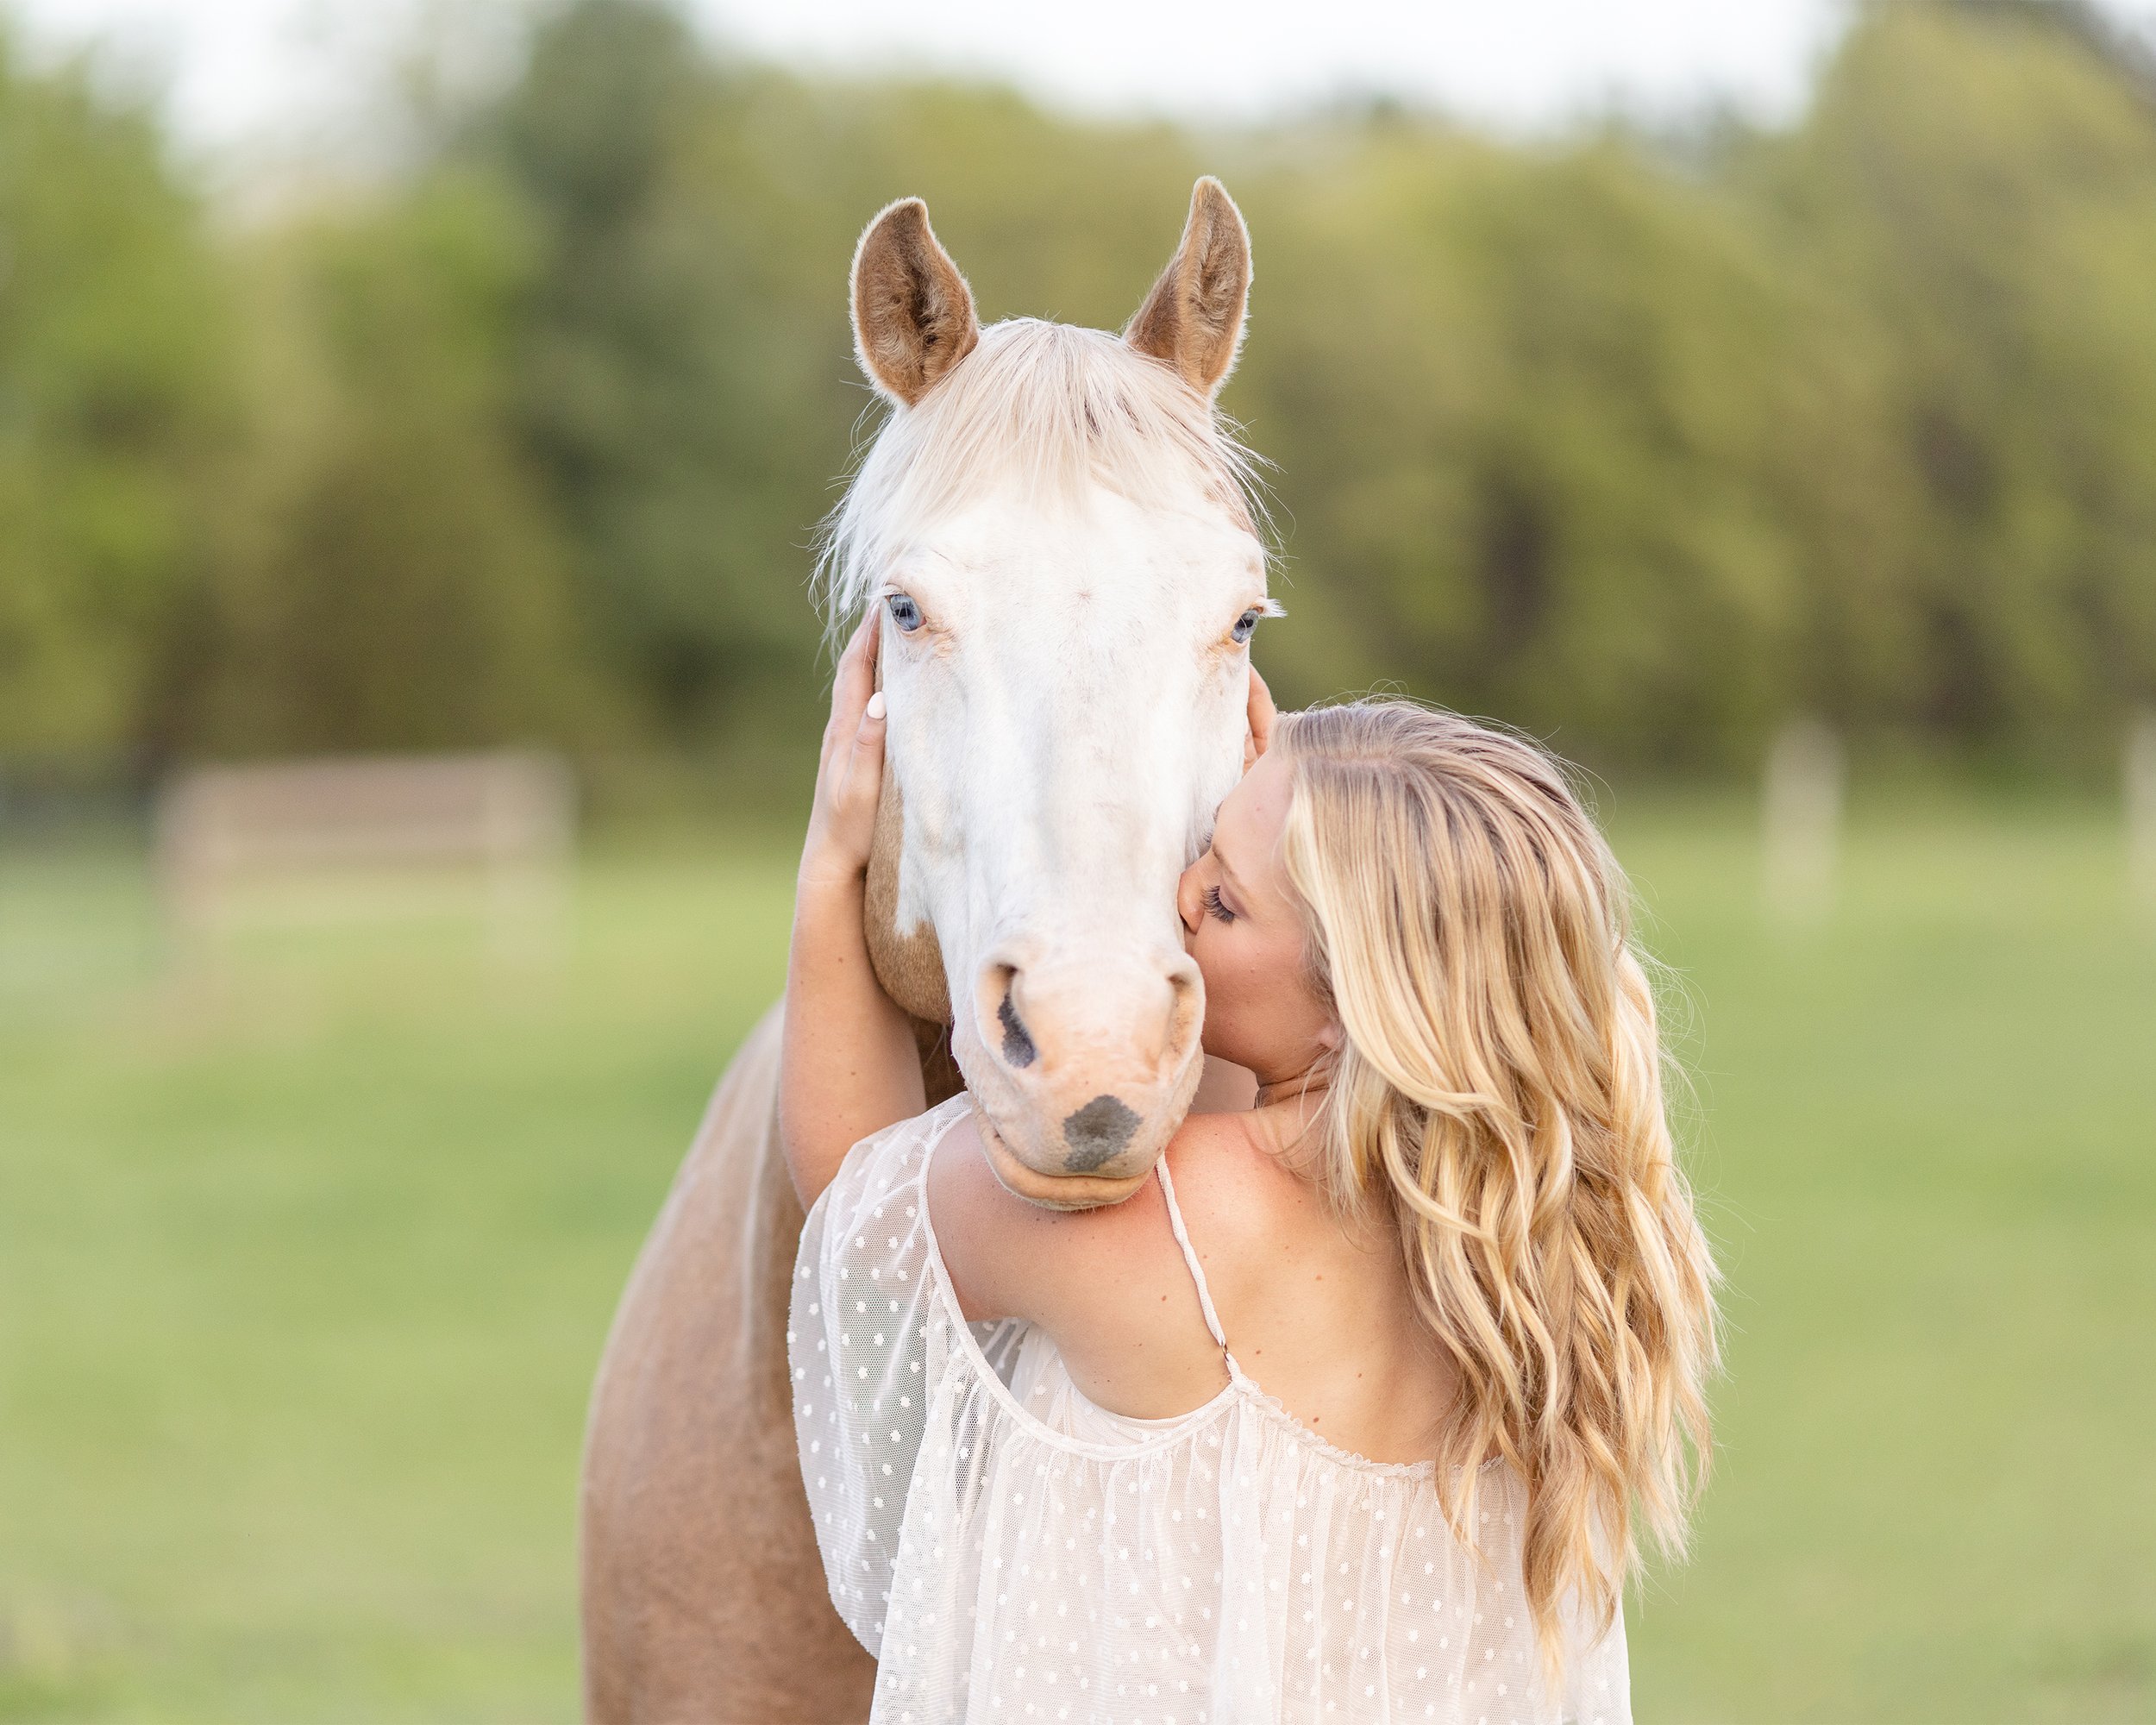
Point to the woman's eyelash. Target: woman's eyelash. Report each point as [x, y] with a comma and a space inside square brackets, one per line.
[1215, 907]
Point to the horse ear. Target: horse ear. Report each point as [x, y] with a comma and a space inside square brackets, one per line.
[1193, 316]
[913, 317]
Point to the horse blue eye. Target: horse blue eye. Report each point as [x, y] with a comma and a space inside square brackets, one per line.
[1246, 624]
[905, 613]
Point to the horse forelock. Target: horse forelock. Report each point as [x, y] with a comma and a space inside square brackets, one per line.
[1048, 409]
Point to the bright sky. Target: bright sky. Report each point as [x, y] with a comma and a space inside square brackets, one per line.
[240, 71]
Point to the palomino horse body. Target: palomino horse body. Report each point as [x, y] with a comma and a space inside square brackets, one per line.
[1057, 533]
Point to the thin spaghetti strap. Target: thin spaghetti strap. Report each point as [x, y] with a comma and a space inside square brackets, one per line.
[1190, 1256]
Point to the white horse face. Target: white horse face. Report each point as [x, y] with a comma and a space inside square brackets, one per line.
[1068, 580]
[1067, 695]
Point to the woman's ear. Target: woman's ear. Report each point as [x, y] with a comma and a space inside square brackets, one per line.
[1330, 1036]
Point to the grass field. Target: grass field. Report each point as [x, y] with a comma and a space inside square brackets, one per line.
[305, 1261]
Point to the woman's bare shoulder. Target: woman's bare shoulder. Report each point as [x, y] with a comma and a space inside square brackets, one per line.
[1008, 1258]
[1231, 1188]
[1253, 1219]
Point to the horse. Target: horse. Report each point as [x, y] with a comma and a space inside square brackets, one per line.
[1062, 542]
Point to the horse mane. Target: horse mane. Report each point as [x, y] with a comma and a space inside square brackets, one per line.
[1049, 408]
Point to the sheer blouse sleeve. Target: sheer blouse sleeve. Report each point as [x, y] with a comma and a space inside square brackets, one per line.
[1597, 1678]
[857, 1342]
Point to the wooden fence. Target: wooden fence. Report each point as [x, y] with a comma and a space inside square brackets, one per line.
[315, 833]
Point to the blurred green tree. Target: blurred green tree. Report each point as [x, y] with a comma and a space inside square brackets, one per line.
[1639, 447]
[1983, 179]
[1526, 410]
[686, 383]
[389, 575]
[1576, 435]
[115, 339]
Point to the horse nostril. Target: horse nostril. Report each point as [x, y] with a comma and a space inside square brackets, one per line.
[1017, 1046]
[1097, 1131]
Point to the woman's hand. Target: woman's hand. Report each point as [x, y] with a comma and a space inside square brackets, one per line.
[847, 1065]
[849, 776]
[1259, 738]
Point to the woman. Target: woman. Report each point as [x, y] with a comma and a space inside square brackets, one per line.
[1447, 1236]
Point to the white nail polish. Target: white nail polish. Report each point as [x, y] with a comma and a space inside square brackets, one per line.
[876, 704]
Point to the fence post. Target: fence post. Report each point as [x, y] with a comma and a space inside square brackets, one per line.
[2140, 809]
[1802, 820]
[508, 817]
[528, 815]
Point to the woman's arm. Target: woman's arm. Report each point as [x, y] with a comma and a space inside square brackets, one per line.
[847, 1065]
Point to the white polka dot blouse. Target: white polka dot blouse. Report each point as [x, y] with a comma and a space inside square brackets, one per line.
[1009, 1551]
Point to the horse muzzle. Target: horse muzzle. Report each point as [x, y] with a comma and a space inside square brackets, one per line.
[1083, 1070]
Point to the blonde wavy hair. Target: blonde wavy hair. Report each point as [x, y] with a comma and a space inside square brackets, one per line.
[1501, 1083]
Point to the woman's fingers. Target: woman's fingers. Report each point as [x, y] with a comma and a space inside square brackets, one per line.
[852, 684]
[857, 786]
[865, 771]
[869, 731]
[856, 676]
[1261, 715]
[848, 786]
